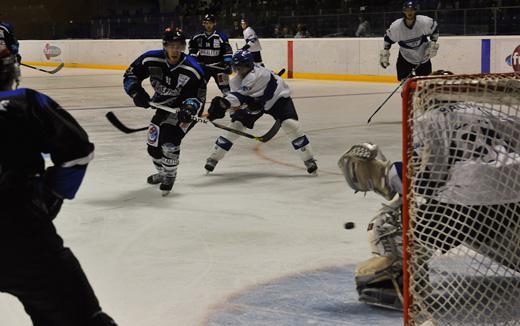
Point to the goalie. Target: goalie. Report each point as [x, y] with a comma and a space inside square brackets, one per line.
[465, 161]
[378, 279]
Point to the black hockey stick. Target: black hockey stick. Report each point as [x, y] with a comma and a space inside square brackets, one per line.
[395, 90]
[264, 138]
[119, 125]
[55, 70]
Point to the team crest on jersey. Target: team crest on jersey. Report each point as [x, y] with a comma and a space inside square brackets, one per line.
[182, 80]
[3, 105]
[153, 135]
[216, 44]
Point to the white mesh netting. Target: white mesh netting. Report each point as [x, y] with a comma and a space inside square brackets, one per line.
[463, 150]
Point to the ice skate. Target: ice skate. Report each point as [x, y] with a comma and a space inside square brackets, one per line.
[210, 165]
[155, 179]
[312, 167]
[167, 185]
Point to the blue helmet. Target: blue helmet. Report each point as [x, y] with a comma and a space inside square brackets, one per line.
[242, 58]
[410, 4]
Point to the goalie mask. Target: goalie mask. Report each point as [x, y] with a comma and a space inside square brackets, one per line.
[366, 169]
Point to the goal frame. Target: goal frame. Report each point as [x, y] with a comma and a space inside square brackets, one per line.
[407, 144]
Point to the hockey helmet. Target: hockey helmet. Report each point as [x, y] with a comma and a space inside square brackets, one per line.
[209, 18]
[410, 5]
[242, 58]
[9, 69]
[365, 168]
[170, 36]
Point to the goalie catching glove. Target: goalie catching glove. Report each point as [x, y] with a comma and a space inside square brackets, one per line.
[189, 108]
[217, 108]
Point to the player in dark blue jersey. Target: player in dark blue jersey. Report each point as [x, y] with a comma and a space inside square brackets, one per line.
[178, 82]
[213, 53]
[35, 266]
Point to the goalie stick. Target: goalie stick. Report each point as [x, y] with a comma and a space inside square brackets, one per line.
[55, 70]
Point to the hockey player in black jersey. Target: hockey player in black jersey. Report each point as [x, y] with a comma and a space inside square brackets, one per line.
[178, 82]
[212, 50]
[35, 266]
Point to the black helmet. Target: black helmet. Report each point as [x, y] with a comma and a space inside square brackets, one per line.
[170, 35]
[410, 4]
[209, 18]
[9, 70]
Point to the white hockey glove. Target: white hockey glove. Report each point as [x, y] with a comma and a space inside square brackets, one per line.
[384, 58]
[431, 50]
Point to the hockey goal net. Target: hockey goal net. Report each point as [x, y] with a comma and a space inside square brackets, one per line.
[461, 200]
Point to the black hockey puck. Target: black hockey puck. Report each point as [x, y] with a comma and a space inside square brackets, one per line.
[349, 225]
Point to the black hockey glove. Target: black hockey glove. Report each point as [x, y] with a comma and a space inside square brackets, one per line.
[217, 108]
[188, 109]
[141, 98]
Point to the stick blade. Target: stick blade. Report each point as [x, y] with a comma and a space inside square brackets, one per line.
[119, 125]
[58, 68]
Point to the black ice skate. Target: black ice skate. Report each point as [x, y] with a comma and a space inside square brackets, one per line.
[210, 165]
[312, 167]
[167, 185]
[155, 179]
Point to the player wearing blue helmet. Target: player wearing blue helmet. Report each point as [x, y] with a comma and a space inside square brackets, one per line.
[256, 91]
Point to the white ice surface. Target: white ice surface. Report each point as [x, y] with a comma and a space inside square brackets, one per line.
[166, 261]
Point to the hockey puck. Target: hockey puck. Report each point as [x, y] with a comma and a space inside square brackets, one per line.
[349, 225]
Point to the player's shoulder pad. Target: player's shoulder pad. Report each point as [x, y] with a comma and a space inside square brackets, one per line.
[396, 23]
[197, 36]
[191, 62]
[223, 36]
[424, 20]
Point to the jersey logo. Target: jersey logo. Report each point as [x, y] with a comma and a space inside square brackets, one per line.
[153, 135]
[216, 44]
[182, 80]
[3, 105]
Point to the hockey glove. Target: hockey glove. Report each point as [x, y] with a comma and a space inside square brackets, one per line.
[431, 50]
[218, 107]
[188, 109]
[384, 58]
[141, 98]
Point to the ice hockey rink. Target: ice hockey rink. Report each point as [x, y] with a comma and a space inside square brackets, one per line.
[257, 242]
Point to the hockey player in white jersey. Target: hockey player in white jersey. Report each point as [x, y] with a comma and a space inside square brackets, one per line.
[461, 202]
[252, 42]
[256, 90]
[417, 37]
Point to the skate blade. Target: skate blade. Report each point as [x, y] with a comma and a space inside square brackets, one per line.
[165, 193]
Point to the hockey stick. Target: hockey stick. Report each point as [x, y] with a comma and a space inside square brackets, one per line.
[58, 68]
[119, 125]
[264, 138]
[395, 90]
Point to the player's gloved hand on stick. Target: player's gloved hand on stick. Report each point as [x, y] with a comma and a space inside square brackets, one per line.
[141, 98]
[384, 58]
[188, 109]
[431, 50]
[217, 108]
